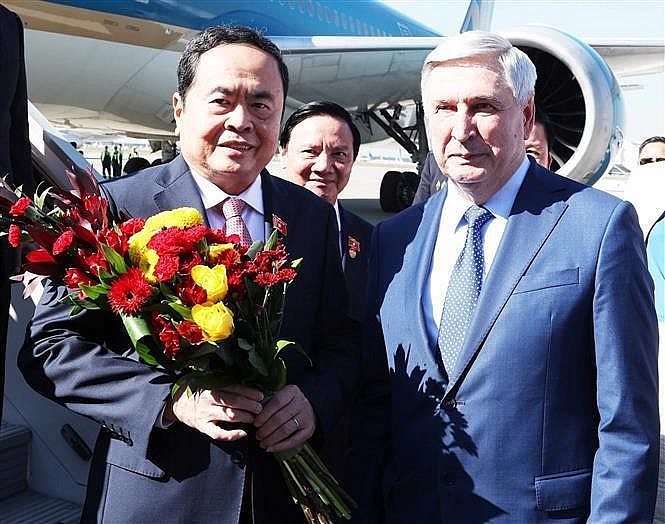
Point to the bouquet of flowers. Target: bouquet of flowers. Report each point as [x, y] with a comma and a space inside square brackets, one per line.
[192, 300]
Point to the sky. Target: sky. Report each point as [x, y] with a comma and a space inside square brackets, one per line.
[612, 19]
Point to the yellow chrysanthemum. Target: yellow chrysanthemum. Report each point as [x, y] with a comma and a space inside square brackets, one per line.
[145, 258]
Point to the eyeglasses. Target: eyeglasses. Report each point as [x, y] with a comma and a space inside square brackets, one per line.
[644, 161]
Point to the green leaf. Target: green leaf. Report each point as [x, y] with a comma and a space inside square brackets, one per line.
[181, 309]
[254, 248]
[117, 262]
[272, 240]
[139, 333]
[284, 344]
[258, 363]
[296, 263]
[168, 292]
[244, 344]
[94, 292]
[104, 276]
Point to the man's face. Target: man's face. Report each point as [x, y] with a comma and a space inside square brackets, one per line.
[652, 152]
[229, 121]
[476, 128]
[536, 145]
[319, 155]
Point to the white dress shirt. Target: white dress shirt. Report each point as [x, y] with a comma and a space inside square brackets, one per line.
[452, 236]
[252, 214]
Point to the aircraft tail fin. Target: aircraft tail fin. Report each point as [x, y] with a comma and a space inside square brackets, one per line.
[478, 15]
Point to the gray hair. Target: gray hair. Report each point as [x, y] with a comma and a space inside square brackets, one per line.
[518, 69]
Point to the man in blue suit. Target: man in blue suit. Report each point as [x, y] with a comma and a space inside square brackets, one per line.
[319, 144]
[206, 457]
[510, 365]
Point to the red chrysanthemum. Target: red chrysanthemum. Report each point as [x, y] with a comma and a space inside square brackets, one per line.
[129, 293]
[63, 243]
[14, 235]
[131, 226]
[166, 268]
[19, 207]
[190, 332]
[188, 261]
[270, 279]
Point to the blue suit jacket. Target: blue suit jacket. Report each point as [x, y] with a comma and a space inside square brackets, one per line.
[144, 474]
[356, 242]
[553, 413]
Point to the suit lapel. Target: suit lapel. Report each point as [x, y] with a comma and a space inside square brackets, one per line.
[535, 213]
[179, 188]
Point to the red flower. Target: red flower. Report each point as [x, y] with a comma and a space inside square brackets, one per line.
[131, 226]
[14, 235]
[191, 293]
[129, 293]
[92, 261]
[63, 243]
[40, 262]
[75, 277]
[111, 238]
[190, 332]
[270, 279]
[188, 261]
[166, 268]
[19, 207]
[166, 334]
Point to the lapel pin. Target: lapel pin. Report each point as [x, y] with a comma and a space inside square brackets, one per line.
[279, 224]
[353, 246]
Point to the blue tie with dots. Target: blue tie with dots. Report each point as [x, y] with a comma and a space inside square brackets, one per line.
[463, 290]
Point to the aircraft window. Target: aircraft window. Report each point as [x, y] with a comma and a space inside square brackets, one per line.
[344, 24]
[336, 17]
[301, 5]
[319, 11]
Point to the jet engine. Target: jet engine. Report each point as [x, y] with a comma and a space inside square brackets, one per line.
[580, 97]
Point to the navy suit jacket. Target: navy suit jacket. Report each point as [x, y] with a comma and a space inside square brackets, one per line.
[356, 242]
[553, 413]
[144, 474]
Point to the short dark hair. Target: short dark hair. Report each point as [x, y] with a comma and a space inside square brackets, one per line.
[317, 108]
[650, 140]
[223, 35]
[543, 119]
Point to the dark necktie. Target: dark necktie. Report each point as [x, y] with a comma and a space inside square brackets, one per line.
[235, 225]
[463, 290]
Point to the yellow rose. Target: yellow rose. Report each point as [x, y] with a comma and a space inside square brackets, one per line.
[213, 280]
[216, 321]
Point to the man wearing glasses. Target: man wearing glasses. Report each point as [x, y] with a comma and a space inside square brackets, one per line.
[652, 150]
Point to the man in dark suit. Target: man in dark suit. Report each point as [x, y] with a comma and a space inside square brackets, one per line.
[510, 360]
[14, 148]
[319, 144]
[202, 457]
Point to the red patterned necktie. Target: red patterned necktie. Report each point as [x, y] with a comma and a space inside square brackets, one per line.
[235, 225]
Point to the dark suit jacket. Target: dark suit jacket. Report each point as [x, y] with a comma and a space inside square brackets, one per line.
[14, 148]
[553, 413]
[431, 179]
[356, 242]
[86, 362]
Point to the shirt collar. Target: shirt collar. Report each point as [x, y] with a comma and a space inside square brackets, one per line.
[212, 196]
[499, 204]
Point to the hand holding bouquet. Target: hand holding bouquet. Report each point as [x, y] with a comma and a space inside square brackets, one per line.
[192, 300]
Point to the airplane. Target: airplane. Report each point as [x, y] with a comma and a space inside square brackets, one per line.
[109, 67]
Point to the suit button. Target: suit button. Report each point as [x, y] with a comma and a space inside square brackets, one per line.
[448, 478]
[237, 457]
